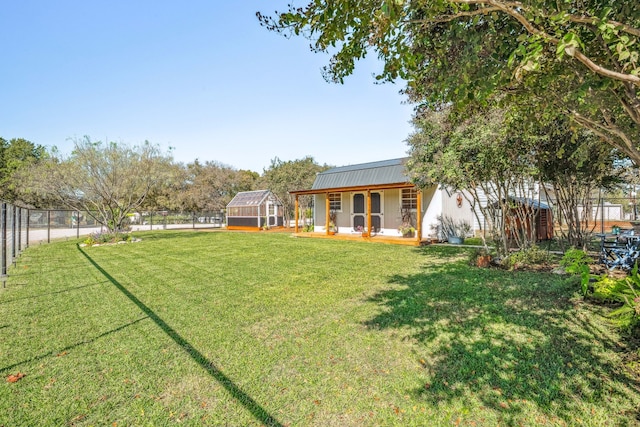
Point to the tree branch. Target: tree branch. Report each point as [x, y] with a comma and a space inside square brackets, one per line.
[511, 9]
[449, 18]
[624, 144]
[594, 21]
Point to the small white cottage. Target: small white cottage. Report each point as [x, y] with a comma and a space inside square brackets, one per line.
[377, 200]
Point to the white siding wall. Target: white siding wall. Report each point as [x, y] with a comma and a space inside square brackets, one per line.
[464, 212]
[432, 207]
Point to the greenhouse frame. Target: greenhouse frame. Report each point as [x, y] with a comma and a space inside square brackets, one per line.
[255, 210]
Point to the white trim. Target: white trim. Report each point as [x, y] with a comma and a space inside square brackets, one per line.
[341, 201]
[401, 198]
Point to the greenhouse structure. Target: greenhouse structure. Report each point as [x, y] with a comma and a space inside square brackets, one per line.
[254, 210]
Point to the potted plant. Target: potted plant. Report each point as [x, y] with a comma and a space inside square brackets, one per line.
[333, 229]
[483, 258]
[361, 229]
[407, 229]
[454, 231]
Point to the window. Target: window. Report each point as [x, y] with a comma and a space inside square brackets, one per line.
[409, 198]
[335, 201]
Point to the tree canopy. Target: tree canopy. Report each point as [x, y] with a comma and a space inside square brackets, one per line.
[16, 155]
[211, 185]
[495, 155]
[108, 181]
[284, 176]
[578, 57]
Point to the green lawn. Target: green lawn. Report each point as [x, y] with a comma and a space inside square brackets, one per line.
[221, 328]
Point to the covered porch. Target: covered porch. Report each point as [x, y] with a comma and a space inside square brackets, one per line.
[364, 219]
[391, 240]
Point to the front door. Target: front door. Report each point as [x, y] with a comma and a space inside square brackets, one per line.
[360, 211]
[272, 214]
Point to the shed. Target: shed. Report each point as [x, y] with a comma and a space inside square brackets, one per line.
[253, 210]
[543, 216]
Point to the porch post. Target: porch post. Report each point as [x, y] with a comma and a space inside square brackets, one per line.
[419, 215]
[296, 215]
[368, 213]
[259, 226]
[326, 214]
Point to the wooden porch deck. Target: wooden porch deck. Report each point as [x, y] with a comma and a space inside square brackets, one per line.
[378, 238]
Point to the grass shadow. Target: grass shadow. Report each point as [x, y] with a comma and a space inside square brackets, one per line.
[71, 347]
[259, 413]
[505, 339]
[74, 288]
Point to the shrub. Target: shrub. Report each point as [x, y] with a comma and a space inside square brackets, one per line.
[474, 241]
[574, 260]
[98, 238]
[626, 316]
[531, 256]
[607, 289]
[625, 292]
[449, 227]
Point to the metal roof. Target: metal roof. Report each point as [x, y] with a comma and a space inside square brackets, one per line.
[373, 173]
[536, 204]
[250, 198]
[527, 201]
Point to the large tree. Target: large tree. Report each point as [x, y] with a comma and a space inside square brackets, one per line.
[580, 57]
[108, 181]
[575, 166]
[211, 185]
[497, 158]
[479, 156]
[16, 155]
[284, 176]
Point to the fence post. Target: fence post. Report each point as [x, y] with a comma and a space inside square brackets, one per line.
[601, 213]
[3, 243]
[19, 230]
[13, 234]
[77, 224]
[48, 226]
[28, 225]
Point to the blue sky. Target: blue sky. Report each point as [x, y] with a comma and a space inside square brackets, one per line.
[200, 76]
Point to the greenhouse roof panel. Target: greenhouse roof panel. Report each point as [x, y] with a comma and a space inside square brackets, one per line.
[249, 198]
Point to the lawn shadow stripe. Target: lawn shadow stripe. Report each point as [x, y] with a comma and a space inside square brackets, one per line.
[72, 346]
[50, 293]
[236, 392]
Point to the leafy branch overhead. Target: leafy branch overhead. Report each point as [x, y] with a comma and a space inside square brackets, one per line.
[582, 58]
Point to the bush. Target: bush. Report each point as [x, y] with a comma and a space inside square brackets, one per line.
[608, 290]
[473, 241]
[624, 292]
[98, 238]
[628, 292]
[450, 227]
[574, 260]
[531, 256]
